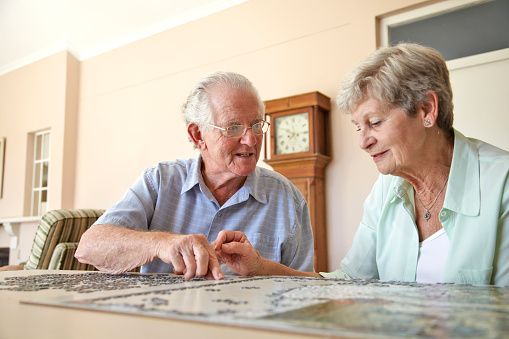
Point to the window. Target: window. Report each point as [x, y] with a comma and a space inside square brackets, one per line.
[39, 199]
[471, 29]
[457, 28]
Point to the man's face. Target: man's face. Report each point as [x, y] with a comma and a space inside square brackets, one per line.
[230, 157]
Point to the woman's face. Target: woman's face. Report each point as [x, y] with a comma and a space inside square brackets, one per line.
[392, 138]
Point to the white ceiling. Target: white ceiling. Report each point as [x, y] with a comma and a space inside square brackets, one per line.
[33, 29]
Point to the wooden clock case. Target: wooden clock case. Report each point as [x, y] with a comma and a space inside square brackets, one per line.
[305, 169]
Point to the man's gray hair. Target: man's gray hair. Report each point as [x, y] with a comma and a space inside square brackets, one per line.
[197, 108]
[401, 76]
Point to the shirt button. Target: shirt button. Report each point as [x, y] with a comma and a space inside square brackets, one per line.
[443, 213]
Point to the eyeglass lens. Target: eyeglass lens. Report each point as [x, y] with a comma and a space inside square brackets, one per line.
[237, 130]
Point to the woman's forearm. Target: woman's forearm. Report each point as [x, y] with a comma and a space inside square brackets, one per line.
[269, 267]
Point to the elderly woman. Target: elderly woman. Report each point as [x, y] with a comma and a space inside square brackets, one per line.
[439, 212]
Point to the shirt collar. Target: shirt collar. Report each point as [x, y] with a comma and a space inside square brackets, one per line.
[463, 188]
[194, 175]
[400, 189]
[252, 185]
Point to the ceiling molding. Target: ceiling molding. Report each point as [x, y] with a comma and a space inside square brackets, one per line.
[36, 56]
[103, 47]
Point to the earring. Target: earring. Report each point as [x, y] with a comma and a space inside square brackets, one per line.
[427, 123]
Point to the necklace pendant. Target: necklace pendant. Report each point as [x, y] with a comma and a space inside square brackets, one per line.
[427, 215]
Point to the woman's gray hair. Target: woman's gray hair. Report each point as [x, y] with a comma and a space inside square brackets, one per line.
[197, 108]
[401, 76]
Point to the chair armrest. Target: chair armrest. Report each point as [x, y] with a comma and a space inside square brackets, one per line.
[63, 258]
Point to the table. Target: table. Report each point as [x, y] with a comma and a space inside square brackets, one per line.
[74, 304]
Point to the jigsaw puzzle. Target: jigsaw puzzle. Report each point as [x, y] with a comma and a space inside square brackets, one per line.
[295, 304]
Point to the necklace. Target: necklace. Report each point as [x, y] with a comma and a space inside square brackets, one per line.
[427, 214]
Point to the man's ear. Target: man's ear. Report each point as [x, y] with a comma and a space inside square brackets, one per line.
[429, 109]
[195, 135]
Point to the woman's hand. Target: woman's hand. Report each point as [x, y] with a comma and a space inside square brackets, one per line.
[234, 249]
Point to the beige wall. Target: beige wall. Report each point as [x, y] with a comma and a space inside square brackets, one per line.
[34, 98]
[124, 114]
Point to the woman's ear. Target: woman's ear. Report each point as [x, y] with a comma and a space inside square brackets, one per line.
[429, 109]
[195, 135]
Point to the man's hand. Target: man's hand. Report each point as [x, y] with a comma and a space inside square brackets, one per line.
[234, 249]
[116, 249]
[190, 255]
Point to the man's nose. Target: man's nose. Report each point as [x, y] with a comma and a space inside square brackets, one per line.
[249, 137]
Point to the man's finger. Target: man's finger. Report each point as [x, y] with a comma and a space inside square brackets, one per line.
[235, 248]
[237, 236]
[202, 257]
[189, 261]
[178, 263]
[213, 265]
[220, 239]
[229, 236]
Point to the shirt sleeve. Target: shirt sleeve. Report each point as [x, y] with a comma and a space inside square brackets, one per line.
[298, 252]
[136, 208]
[360, 261]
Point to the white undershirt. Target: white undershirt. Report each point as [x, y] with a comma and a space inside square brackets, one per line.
[432, 256]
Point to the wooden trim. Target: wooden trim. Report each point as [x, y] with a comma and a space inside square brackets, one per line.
[313, 165]
[298, 101]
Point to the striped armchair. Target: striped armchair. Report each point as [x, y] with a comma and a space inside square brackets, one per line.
[57, 237]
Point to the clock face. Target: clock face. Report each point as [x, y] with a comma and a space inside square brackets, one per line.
[292, 133]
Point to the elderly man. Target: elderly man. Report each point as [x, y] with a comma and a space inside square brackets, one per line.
[168, 218]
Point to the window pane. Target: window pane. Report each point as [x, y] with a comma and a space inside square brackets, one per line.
[35, 203]
[45, 146]
[44, 202]
[37, 175]
[45, 174]
[38, 146]
[460, 33]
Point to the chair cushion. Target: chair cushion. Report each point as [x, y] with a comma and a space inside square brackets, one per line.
[59, 226]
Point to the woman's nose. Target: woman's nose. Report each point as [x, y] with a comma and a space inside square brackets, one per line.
[365, 140]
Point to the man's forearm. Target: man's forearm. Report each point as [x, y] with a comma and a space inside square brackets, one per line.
[116, 249]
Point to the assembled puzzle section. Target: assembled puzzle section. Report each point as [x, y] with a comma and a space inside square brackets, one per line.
[294, 304]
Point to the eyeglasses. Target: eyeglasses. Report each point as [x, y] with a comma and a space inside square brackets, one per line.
[236, 131]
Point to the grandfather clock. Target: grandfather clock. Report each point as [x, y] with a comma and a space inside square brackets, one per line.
[298, 146]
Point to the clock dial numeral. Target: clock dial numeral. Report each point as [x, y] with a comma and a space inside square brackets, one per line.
[292, 133]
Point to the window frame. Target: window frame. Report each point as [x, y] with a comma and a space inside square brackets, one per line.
[40, 165]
